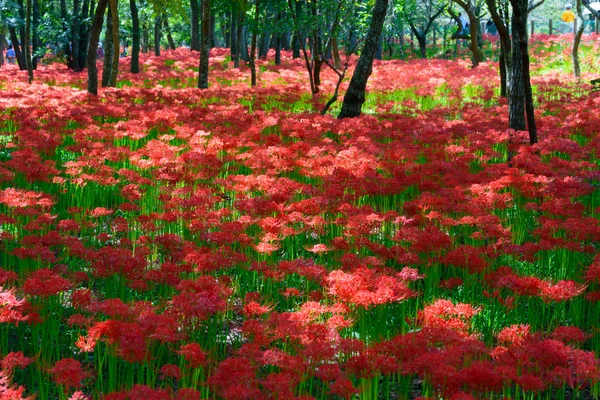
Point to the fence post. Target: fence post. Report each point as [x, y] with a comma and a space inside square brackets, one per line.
[550, 27]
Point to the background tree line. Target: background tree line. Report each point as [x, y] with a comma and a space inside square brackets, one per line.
[323, 33]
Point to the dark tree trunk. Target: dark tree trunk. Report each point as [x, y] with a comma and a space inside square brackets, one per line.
[135, 37]
[145, 38]
[108, 48]
[211, 33]
[95, 31]
[503, 79]
[65, 24]
[253, 46]
[195, 25]
[285, 41]
[169, 36]
[379, 51]
[204, 46]
[278, 50]
[83, 34]
[576, 41]
[243, 43]
[114, 72]
[26, 43]
[355, 95]
[157, 33]
[263, 50]
[75, 37]
[37, 43]
[226, 29]
[18, 54]
[295, 46]
[520, 70]
[233, 33]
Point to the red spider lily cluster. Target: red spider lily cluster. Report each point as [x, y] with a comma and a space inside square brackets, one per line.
[161, 242]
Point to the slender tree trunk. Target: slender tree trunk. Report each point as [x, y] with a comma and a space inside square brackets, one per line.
[116, 43]
[83, 34]
[355, 95]
[37, 43]
[145, 37]
[576, 41]
[195, 25]
[75, 36]
[516, 94]
[521, 51]
[233, 33]
[253, 45]
[226, 28]
[26, 44]
[108, 48]
[243, 43]
[135, 37]
[211, 33]
[204, 46]
[337, 61]
[65, 25]
[18, 54]
[95, 31]
[263, 49]
[157, 33]
[169, 36]
[297, 36]
[503, 72]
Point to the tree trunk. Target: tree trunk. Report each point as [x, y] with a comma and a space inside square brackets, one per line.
[195, 25]
[26, 42]
[296, 45]
[226, 29]
[355, 95]
[379, 51]
[75, 37]
[108, 48]
[253, 45]
[65, 26]
[83, 34]
[145, 37]
[204, 46]
[243, 42]
[37, 43]
[211, 33]
[263, 49]
[521, 51]
[18, 54]
[233, 33]
[169, 36]
[135, 37]
[337, 61]
[503, 72]
[576, 41]
[116, 43]
[157, 33]
[95, 31]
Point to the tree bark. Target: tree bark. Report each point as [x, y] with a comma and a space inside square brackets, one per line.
[18, 54]
[65, 25]
[204, 46]
[83, 34]
[253, 45]
[355, 95]
[195, 25]
[169, 36]
[108, 48]
[75, 37]
[576, 41]
[95, 31]
[135, 45]
[37, 43]
[114, 73]
[157, 33]
[233, 33]
[26, 43]
[521, 53]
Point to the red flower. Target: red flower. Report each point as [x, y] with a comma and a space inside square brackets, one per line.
[193, 354]
[44, 283]
[68, 373]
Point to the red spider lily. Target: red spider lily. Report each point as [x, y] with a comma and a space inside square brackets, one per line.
[44, 283]
[11, 308]
[11, 391]
[201, 298]
[68, 373]
[15, 360]
[193, 354]
[170, 371]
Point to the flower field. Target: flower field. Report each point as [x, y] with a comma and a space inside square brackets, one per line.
[162, 242]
